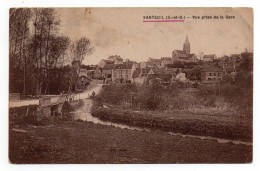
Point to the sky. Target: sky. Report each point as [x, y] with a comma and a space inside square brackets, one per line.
[121, 31]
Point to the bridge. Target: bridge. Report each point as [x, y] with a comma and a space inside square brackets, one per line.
[50, 105]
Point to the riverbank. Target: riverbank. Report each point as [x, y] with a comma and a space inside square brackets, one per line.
[204, 124]
[84, 142]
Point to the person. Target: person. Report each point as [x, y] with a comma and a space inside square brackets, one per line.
[93, 94]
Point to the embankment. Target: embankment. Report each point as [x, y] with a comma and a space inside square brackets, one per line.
[187, 125]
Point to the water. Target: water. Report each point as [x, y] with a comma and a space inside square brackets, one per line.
[84, 114]
[220, 140]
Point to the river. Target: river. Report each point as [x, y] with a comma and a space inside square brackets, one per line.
[84, 113]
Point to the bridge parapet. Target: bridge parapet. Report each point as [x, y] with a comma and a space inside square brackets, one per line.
[50, 101]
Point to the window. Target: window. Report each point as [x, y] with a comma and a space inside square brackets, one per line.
[210, 74]
[209, 79]
[214, 74]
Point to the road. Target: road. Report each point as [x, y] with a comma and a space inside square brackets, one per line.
[83, 95]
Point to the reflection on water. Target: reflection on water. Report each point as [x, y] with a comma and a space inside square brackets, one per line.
[84, 114]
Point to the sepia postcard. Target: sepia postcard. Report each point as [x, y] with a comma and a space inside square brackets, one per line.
[130, 85]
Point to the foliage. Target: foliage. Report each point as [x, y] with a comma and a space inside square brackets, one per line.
[37, 50]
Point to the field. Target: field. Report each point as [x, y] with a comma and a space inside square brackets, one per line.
[83, 142]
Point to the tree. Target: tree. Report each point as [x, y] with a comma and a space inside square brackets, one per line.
[80, 50]
[18, 39]
[35, 49]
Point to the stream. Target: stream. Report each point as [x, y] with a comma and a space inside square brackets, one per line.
[84, 113]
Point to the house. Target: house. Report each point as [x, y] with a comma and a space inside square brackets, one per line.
[85, 71]
[107, 72]
[145, 65]
[211, 74]
[184, 55]
[116, 58]
[209, 58]
[154, 62]
[143, 76]
[90, 73]
[103, 62]
[166, 61]
[83, 82]
[97, 72]
[122, 73]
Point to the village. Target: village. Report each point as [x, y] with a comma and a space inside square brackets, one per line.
[181, 66]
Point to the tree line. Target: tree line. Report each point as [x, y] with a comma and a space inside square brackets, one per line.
[39, 55]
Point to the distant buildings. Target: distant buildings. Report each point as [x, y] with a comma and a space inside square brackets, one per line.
[147, 75]
[209, 58]
[103, 62]
[122, 73]
[184, 55]
[182, 66]
[98, 73]
[83, 82]
[211, 74]
[116, 58]
[107, 72]
[166, 61]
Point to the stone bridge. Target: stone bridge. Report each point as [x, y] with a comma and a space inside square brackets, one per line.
[52, 105]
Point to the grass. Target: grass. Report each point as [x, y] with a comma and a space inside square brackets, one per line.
[83, 142]
[194, 122]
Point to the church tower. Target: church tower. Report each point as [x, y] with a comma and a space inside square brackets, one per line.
[186, 46]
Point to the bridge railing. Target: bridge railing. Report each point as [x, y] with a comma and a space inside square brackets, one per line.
[48, 101]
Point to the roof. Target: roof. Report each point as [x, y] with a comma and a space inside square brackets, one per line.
[145, 71]
[211, 69]
[84, 75]
[180, 51]
[191, 55]
[163, 71]
[108, 61]
[117, 57]
[123, 66]
[154, 60]
[186, 58]
[209, 56]
[109, 67]
[166, 58]
[157, 71]
[130, 62]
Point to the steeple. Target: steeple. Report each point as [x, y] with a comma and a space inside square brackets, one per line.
[186, 46]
